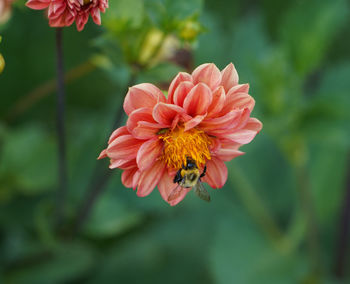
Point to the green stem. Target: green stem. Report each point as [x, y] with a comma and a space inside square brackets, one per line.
[100, 176]
[307, 208]
[46, 88]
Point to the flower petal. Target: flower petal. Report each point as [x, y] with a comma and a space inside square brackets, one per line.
[165, 113]
[128, 176]
[166, 186]
[124, 148]
[102, 155]
[216, 175]
[218, 101]
[118, 132]
[142, 95]
[140, 114]
[208, 74]
[247, 133]
[136, 178]
[240, 88]
[148, 153]
[123, 164]
[237, 101]
[146, 130]
[229, 120]
[193, 122]
[96, 16]
[228, 151]
[38, 4]
[181, 77]
[181, 92]
[198, 100]
[229, 77]
[150, 178]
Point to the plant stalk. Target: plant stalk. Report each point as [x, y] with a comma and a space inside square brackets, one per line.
[101, 174]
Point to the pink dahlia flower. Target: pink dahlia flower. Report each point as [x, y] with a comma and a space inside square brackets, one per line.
[200, 125]
[63, 13]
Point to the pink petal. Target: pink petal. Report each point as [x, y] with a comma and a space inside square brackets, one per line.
[118, 132]
[135, 180]
[238, 101]
[193, 122]
[181, 77]
[228, 151]
[165, 113]
[198, 100]
[142, 95]
[229, 120]
[166, 187]
[240, 88]
[123, 164]
[254, 124]
[229, 77]
[208, 74]
[96, 16]
[128, 164]
[146, 130]
[128, 176]
[148, 153]
[247, 133]
[215, 144]
[216, 175]
[220, 127]
[181, 92]
[218, 101]
[81, 21]
[140, 114]
[102, 155]
[124, 148]
[38, 4]
[150, 178]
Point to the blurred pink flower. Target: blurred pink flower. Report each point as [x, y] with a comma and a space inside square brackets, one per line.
[63, 13]
[204, 119]
[5, 10]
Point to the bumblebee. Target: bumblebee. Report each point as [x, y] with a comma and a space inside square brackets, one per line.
[187, 177]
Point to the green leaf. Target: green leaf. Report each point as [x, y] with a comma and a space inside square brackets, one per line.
[307, 31]
[327, 177]
[111, 217]
[335, 85]
[327, 115]
[171, 246]
[162, 72]
[121, 12]
[65, 264]
[241, 255]
[28, 160]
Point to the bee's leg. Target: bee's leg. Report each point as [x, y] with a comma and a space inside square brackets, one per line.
[204, 171]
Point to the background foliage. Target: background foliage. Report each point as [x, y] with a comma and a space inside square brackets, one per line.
[278, 218]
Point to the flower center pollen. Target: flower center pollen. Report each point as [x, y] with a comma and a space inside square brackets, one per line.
[180, 145]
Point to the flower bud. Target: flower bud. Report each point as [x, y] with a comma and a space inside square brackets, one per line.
[2, 63]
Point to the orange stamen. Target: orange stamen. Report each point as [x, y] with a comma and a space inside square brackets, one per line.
[180, 145]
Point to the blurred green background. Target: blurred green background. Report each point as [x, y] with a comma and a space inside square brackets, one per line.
[279, 218]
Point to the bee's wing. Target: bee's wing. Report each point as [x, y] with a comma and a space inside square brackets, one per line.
[201, 191]
[175, 193]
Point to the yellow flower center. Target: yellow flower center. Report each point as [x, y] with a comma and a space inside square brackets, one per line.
[180, 145]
